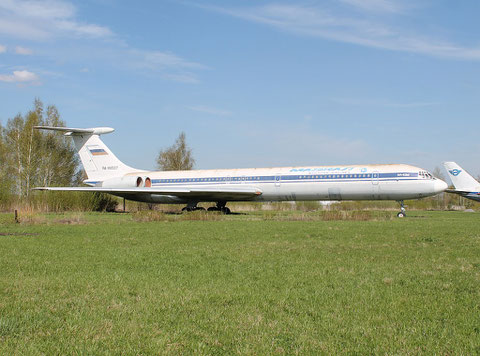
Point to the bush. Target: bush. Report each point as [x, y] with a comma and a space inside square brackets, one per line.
[65, 201]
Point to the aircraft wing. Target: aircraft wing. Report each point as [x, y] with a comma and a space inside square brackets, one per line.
[461, 192]
[213, 192]
[454, 191]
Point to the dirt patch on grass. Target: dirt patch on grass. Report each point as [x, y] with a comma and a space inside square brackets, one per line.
[30, 217]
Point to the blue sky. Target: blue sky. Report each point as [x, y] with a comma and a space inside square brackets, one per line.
[254, 83]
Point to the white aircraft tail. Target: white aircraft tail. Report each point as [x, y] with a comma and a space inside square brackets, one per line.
[460, 178]
[97, 159]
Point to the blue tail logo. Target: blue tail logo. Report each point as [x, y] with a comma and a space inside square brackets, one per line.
[455, 172]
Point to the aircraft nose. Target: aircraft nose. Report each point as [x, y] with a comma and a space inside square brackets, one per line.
[439, 186]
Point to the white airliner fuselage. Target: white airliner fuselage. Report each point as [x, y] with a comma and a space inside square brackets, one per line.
[106, 173]
[363, 182]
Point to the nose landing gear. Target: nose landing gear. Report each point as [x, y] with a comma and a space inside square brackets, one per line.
[402, 213]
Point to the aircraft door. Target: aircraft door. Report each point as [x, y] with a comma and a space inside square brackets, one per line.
[89, 164]
[375, 187]
[278, 180]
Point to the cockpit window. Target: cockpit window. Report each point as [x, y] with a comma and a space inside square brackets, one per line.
[426, 175]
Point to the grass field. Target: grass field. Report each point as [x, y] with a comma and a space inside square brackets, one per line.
[240, 284]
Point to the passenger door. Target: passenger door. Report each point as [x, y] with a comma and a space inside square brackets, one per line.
[278, 179]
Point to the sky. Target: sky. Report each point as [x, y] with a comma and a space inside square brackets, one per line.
[254, 83]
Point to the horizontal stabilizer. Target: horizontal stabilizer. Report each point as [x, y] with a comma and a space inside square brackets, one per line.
[77, 131]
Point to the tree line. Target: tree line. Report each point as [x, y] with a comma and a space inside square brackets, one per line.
[31, 158]
[34, 158]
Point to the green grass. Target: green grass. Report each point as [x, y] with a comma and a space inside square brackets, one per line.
[240, 285]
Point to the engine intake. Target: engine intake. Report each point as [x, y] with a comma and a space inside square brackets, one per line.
[123, 182]
[148, 182]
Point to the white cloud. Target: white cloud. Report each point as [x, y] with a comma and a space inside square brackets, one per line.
[54, 20]
[46, 9]
[86, 30]
[42, 19]
[210, 110]
[315, 21]
[170, 66]
[167, 60]
[382, 103]
[3, 49]
[19, 76]
[188, 78]
[387, 6]
[23, 51]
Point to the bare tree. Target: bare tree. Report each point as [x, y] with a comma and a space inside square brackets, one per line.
[176, 157]
[438, 173]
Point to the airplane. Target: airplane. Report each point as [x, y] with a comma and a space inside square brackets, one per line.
[465, 185]
[106, 173]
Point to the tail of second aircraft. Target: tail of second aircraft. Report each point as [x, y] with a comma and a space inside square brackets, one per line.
[460, 178]
[97, 159]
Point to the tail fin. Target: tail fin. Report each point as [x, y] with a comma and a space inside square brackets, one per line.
[97, 159]
[460, 178]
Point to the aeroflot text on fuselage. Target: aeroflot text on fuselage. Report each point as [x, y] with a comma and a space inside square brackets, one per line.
[326, 169]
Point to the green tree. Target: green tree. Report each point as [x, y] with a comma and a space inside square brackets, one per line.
[35, 157]
[59, 164]
[176, 157]
[6, 181]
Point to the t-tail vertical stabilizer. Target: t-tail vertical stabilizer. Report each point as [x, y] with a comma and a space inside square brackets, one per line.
[97, 159]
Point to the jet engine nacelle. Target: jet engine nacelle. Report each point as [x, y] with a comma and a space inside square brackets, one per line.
[123, 182]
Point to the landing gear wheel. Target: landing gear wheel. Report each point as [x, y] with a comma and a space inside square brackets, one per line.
[402, 213]
[191, 207]
[220, 207]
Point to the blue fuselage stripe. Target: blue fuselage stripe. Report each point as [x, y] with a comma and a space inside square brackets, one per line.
[351, 177]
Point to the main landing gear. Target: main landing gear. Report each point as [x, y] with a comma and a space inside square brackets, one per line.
[219, 207]
[192, 207]
[402, 213]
